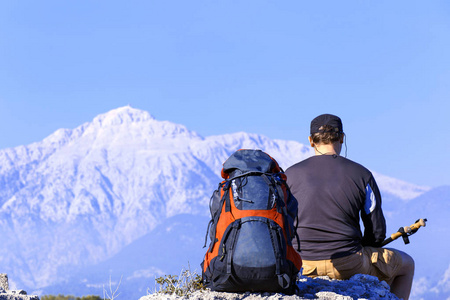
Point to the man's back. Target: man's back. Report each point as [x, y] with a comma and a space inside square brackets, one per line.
[331, 191]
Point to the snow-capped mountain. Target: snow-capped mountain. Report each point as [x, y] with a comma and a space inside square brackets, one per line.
[79, 196]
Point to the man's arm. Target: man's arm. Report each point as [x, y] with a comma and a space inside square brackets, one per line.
[372, 216]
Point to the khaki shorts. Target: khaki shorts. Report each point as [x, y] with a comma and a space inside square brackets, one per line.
[380, 262]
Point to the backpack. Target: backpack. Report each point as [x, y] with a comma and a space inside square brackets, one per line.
[251, 228]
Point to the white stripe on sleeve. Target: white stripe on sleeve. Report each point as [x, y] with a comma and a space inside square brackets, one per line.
[370, 203]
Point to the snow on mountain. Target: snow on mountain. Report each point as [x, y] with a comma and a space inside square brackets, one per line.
[399, 188]
[214, 150]
[81, 195]
[87, 192]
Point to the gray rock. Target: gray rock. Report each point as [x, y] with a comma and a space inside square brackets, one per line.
[4, 281]
[332, 296]
[12, 296]
[6, 294]
[18, 292]
[321, 288]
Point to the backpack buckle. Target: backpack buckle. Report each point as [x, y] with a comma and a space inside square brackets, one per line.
[284, 281]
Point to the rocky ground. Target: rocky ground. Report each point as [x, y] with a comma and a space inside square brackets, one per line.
[7, 294]
[358, 287]
[16, 295]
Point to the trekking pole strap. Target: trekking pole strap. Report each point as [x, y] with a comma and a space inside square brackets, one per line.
[386, 241]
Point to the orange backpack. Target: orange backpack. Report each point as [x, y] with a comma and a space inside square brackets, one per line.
[251, 228]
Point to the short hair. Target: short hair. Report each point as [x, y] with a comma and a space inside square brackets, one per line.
[327, 135]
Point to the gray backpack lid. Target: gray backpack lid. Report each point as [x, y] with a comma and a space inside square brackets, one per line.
[250, 160]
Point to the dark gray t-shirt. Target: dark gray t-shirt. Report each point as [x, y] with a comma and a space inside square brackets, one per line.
[332, 192]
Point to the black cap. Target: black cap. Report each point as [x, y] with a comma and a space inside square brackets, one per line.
[326, 119]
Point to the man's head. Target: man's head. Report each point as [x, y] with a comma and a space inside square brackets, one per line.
[326, 129]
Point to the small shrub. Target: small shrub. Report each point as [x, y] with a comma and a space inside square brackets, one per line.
[183, 285]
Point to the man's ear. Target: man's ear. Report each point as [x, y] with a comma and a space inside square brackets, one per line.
[311, 141]
[341, 140]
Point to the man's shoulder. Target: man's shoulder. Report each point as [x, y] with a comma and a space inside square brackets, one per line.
[315, 161]
[299, 165]
[354, 165]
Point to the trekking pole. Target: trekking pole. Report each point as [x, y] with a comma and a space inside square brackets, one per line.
[405, 232]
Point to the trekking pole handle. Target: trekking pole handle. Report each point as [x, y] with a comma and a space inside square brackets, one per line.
[405, 231]
[409, 229]
[418, 224]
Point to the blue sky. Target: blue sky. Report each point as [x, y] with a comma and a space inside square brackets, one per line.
[218, 67]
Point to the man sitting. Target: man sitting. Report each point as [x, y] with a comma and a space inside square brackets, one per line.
[332, 192]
